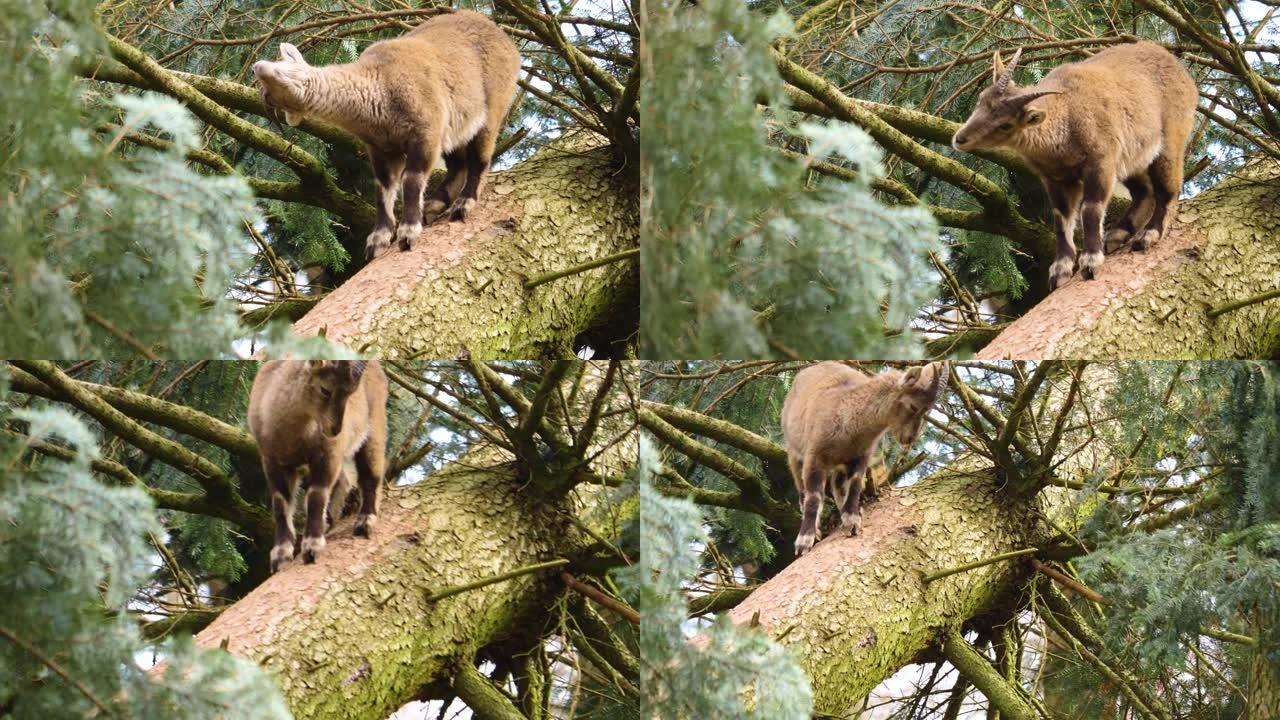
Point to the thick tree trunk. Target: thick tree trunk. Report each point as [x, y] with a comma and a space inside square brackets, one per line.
[855, 610]
[1264, 683]
[1224, 247]
[354, 635]
[462, 287]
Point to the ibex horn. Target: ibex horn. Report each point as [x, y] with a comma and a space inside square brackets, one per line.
[1006, 72]
[1020, 101]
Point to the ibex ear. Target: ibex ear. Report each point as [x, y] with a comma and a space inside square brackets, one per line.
[314, 366]
[911, 376]
[355, 368]
[997, 68]
[1033, 117]
[290, 53]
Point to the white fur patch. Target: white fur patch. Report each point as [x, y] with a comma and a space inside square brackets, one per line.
[408, 234]
[460, 129]
[1060, 271]
[804, 541]
[379, 241]
[312, 546]
[1091, 263]
[387, 196]
[851, 523]
[357, 442]
[281, 554]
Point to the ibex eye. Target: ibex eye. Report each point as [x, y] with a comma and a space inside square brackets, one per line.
[1006, 127]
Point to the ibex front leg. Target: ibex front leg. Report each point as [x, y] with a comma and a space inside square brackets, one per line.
[850, 496]
[281, 482]
[1065, 199]
[324, 473]
[1098, 182]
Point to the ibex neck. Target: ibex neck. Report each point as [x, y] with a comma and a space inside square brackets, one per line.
[871, 404]
[1047, 140]
[342, 95]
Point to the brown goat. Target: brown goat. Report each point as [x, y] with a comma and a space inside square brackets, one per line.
[1125, 113]
[319, 414]
[832, 422]
[442, 89]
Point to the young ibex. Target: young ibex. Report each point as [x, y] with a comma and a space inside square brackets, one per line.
[832, 422]
[319, 414]
[1125, 113]
[444, 88]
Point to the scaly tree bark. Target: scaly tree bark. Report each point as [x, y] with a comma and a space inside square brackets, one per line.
[855, 610]
[356, 635]
[1180, 298]
[469, 287]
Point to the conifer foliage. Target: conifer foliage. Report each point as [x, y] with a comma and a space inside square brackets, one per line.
[73, 553]
[748, 253]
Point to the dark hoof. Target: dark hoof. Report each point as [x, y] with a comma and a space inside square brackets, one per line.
[364, 525]
[309, 557]
[368, 253]
[1087, 274]
[458, 212]
[403, 244]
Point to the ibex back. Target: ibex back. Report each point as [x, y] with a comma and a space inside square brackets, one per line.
[832, 422]
[1125, 113]
[318, 414]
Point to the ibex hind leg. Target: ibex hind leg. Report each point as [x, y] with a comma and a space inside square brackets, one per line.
[370, 466]
[479, 155]
[339, 500]
[811, 506]
[1135, 216]
[437, 206]
[1166, 182]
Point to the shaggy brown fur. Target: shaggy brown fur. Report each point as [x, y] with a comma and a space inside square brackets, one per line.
[442, 89]
[1125, 113]
[318, 414]
[832, 422]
